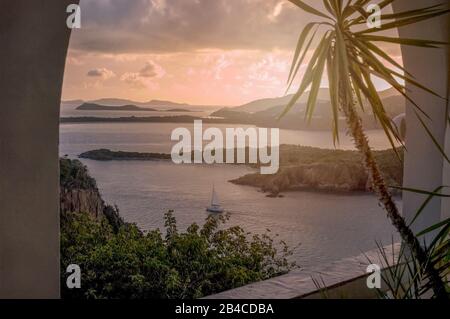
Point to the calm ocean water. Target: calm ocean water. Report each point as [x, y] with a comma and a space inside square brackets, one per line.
[322, 227]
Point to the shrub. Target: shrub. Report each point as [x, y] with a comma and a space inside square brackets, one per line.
[128, 264]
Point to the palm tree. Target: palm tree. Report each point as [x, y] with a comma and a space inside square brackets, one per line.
[351, 58]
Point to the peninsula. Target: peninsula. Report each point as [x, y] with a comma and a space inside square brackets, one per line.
[301, 168]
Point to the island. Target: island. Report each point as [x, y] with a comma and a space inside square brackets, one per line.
[179, 111]
[99, 107]
[260, 113]
[314, 169]
[142, 119]
[108, 155]
[301, 168]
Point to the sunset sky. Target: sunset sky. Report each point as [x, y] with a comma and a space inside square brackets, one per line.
[208, 52]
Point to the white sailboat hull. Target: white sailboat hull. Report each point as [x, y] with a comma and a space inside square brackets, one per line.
[215, 209]
[215, 206]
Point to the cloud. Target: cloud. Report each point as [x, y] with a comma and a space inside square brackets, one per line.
[223, 52]
[117, 26]
[134, 80]
[74, 61]
[152, 70]
[158, 5]
[268, 74]
[222, 64]
[145, 77]
[103, 73]
[277, 10]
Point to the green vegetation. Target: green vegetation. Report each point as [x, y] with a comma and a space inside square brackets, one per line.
[108, 155]
[79, 193]
[318, 169]
[73, 175]
[129, 264]
[301, 167]
[409, 278]
[119, 261]
[353, 58]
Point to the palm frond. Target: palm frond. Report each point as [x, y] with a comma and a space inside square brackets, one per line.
[317, 78]
[308, 76]
[299, 47]
[352, 59]
[309, 9]
[404, 41]
[406, 18]
[425, 204]
[298, 60]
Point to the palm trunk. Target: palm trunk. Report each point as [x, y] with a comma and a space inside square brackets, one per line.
[362, 144]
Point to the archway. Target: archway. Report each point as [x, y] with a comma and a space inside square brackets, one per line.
[34, 46]
[34, 41]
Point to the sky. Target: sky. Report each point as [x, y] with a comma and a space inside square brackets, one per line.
[203, 52]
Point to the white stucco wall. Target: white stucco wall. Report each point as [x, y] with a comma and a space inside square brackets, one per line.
[34, 40]
[425, 167]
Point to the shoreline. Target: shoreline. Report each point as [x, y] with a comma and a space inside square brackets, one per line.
[301, 169]
[189, 119]
[396, 195]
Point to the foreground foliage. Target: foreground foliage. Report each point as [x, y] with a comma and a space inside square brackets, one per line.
[349, 56]
[408, 278]
[130, 264]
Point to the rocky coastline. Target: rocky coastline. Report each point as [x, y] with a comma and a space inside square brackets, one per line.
[301, 168]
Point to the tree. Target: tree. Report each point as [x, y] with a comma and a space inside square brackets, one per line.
[351, 58]
[130, 264]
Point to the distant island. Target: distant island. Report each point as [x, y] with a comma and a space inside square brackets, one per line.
[128, 107]
[159, 105]
[98, 107]
[301, 168]
[151, 103]
[265, 112]
[108, 155]
[314, 169]
[178, 110]
[260, 113]
[139, 119]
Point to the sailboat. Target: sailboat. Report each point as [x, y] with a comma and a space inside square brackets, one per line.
[215, 206]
